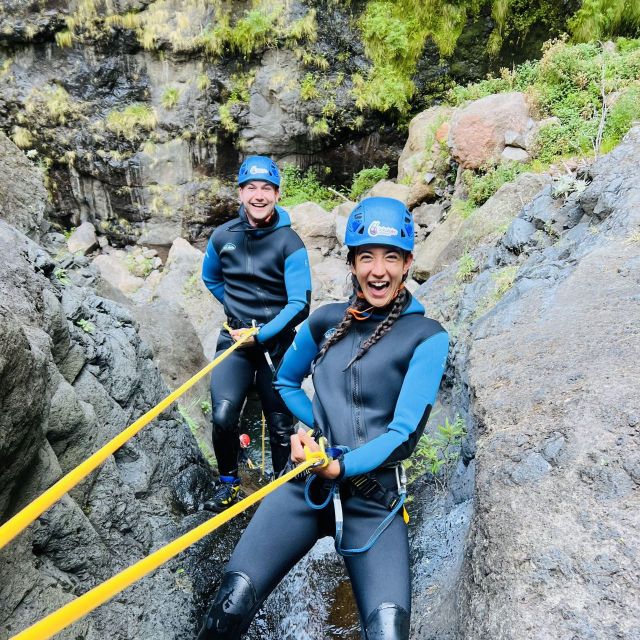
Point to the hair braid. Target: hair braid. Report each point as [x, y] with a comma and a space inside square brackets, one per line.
[343, 328]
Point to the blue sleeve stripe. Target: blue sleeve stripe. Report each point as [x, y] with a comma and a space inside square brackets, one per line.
[297, 280]
[212, 272]
[295, 366]
[419, 390]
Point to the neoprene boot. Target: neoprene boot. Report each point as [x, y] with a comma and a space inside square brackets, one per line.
[232, 610]
[387, 622]
[280, 430]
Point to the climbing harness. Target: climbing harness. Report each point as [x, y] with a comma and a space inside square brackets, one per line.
[37, 507]
[81, 606]
[368, 486]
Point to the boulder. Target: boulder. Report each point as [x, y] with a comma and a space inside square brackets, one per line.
[180, 283]
[113, 268]
[314, 225]
[426, 128]
[428, 216]
[341, 214]
[83, 239]
[479, 131]
[389, 189]
[331, 280]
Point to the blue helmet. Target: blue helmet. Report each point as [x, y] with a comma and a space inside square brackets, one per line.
[259, 168]
[380, 221]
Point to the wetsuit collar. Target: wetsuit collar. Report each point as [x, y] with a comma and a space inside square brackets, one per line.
[410, 306]
[280, 218]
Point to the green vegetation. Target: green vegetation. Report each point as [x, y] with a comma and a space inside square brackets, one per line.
[22, 137]
[600, 19]
[503, 280]
[203, 445]
[64, 39]
[170, 97]
[131, 121]
[139, 266]
[466, 268]
[255, 31]
[86, 326]
[436, 454]
[308, 89]
[365, 179]
[52, 103]
[481, 186]
[298, 187]
[61, 276]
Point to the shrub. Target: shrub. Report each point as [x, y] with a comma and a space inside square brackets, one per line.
[255, 31]
[600, 19]
[22, 137]
[170, 97]
[366, 178]
[129, 121]
[481, 186]
[298, 187]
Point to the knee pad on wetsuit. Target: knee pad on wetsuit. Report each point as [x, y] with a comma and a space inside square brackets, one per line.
[387, 622]
[280, 430]
[225, 417]
[232, 609]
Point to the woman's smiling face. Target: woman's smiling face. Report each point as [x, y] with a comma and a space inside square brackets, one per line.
[380, 271]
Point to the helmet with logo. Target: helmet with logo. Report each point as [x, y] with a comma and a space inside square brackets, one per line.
[380, 221]
[259, 168]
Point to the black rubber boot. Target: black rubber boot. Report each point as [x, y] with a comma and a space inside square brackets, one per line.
[280, 430]
[232, 610]
[387, 622]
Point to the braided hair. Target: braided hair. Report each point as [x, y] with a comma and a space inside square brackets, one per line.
[359, 307]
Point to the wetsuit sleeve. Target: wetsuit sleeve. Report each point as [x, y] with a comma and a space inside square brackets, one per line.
[294, 368]
[297, 281]
[212, 272]
[419, 390]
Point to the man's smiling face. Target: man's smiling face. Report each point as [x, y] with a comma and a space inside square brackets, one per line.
[259, 199]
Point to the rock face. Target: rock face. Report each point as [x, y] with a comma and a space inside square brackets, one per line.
[23, 196]
[73, 374]
[547, 342]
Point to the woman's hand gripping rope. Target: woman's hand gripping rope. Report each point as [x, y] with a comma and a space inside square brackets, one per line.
[303, 445]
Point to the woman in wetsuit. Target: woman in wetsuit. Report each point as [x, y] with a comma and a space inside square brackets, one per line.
[376, 363]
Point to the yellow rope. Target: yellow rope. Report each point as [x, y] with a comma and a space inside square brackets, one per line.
[80, 607]
[24, 518]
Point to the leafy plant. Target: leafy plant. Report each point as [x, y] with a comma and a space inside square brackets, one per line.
[437, 453]
[61, 276]
[298, 187]
[466, 268]
[366, 178]
[86, 326]
[481, 186]
[308, 89]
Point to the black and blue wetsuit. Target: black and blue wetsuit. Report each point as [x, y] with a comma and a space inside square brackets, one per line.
[261, 275]
[377, 407]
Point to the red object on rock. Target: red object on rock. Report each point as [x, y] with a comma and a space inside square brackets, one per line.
[245, 440]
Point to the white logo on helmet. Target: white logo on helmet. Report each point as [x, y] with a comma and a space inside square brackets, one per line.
[255, 170]
[376, 228]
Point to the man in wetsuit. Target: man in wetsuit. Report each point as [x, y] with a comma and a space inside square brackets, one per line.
[256, 265]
